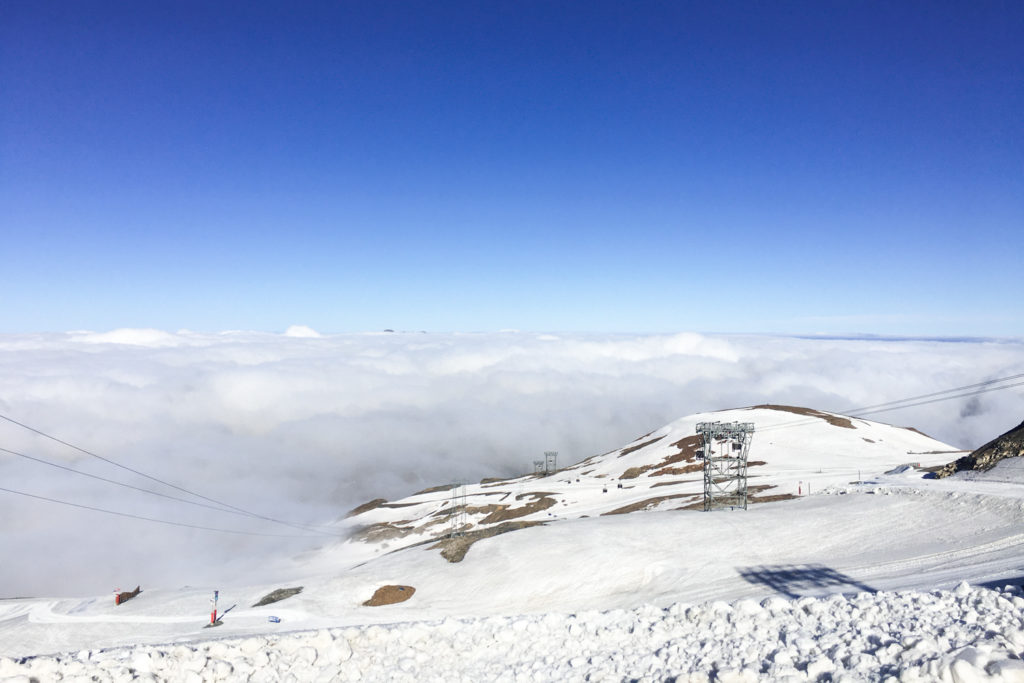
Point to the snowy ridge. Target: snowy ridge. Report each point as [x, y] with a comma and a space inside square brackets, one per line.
[793, 450]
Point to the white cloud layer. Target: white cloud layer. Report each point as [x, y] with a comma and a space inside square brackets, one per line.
[303, 427]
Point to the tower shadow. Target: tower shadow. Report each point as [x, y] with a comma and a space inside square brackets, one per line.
[793, 580]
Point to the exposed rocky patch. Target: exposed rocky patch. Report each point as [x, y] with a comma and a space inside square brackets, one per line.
[277, 596]
[646, 504]
[687, 453]
[685, 469]
[383, 531]
[689, 445]
[1007, 445]
[436, 489]
[504, 513]
[674, 482]
[366, 507]
[454, 549]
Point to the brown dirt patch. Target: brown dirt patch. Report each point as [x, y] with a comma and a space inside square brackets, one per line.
[772, 498]
[634, 472]
[833, 420]
[688, 446]
[383, 531]
[454, 549]
[389, 595]
[755, 463]
[645, 444]
[752, 497]
[436, 489]
[644, 504]
[673, 483]
[913, 429]
[366, 507]
[503, 513]
[536, 495]
[480, 509]
[493, 482]
[685, 469]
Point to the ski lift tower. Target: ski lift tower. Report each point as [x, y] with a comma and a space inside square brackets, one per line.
[550, 462]
[457, 513]
[725, 463]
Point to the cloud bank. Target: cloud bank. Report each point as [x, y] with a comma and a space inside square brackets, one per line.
[303, 426]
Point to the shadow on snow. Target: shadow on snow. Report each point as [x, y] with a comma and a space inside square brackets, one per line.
[794, 580]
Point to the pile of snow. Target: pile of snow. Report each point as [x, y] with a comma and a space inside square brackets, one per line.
[968, 634]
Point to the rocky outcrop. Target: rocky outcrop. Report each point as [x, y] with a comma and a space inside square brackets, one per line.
[1009, 445]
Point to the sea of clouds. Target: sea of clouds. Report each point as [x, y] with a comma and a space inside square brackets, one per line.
[302, 427]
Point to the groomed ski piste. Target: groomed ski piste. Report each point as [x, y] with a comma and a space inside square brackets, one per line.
[879, 574]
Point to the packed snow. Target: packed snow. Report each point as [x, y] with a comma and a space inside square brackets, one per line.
[888, 574]
[967, 634]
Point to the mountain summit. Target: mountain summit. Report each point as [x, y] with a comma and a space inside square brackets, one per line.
[793, 451]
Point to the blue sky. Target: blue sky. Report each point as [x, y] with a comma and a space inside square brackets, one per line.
[796, 167]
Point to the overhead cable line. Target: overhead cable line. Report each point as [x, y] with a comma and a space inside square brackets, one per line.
[118, 483]
[136, 488]
[937, 400]
[221, 504]
[913, 401]
[947, 391]
[152, 519]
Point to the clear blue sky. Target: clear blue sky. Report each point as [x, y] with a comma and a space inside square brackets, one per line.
[793, 167]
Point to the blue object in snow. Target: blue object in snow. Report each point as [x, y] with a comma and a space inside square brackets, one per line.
[274, 620]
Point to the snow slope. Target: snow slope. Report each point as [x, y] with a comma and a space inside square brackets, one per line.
[855, 579]
[793, 450]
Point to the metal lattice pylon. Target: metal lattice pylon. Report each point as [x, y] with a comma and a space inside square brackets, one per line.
[550, 462]
[457, 516]
[725, 463]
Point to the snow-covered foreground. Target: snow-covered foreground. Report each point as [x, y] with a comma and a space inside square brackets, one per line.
[838, 586]
[968, 634]
[860, 581]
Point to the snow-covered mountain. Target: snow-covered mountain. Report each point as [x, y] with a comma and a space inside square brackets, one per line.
[794, 451]
[860, 580]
